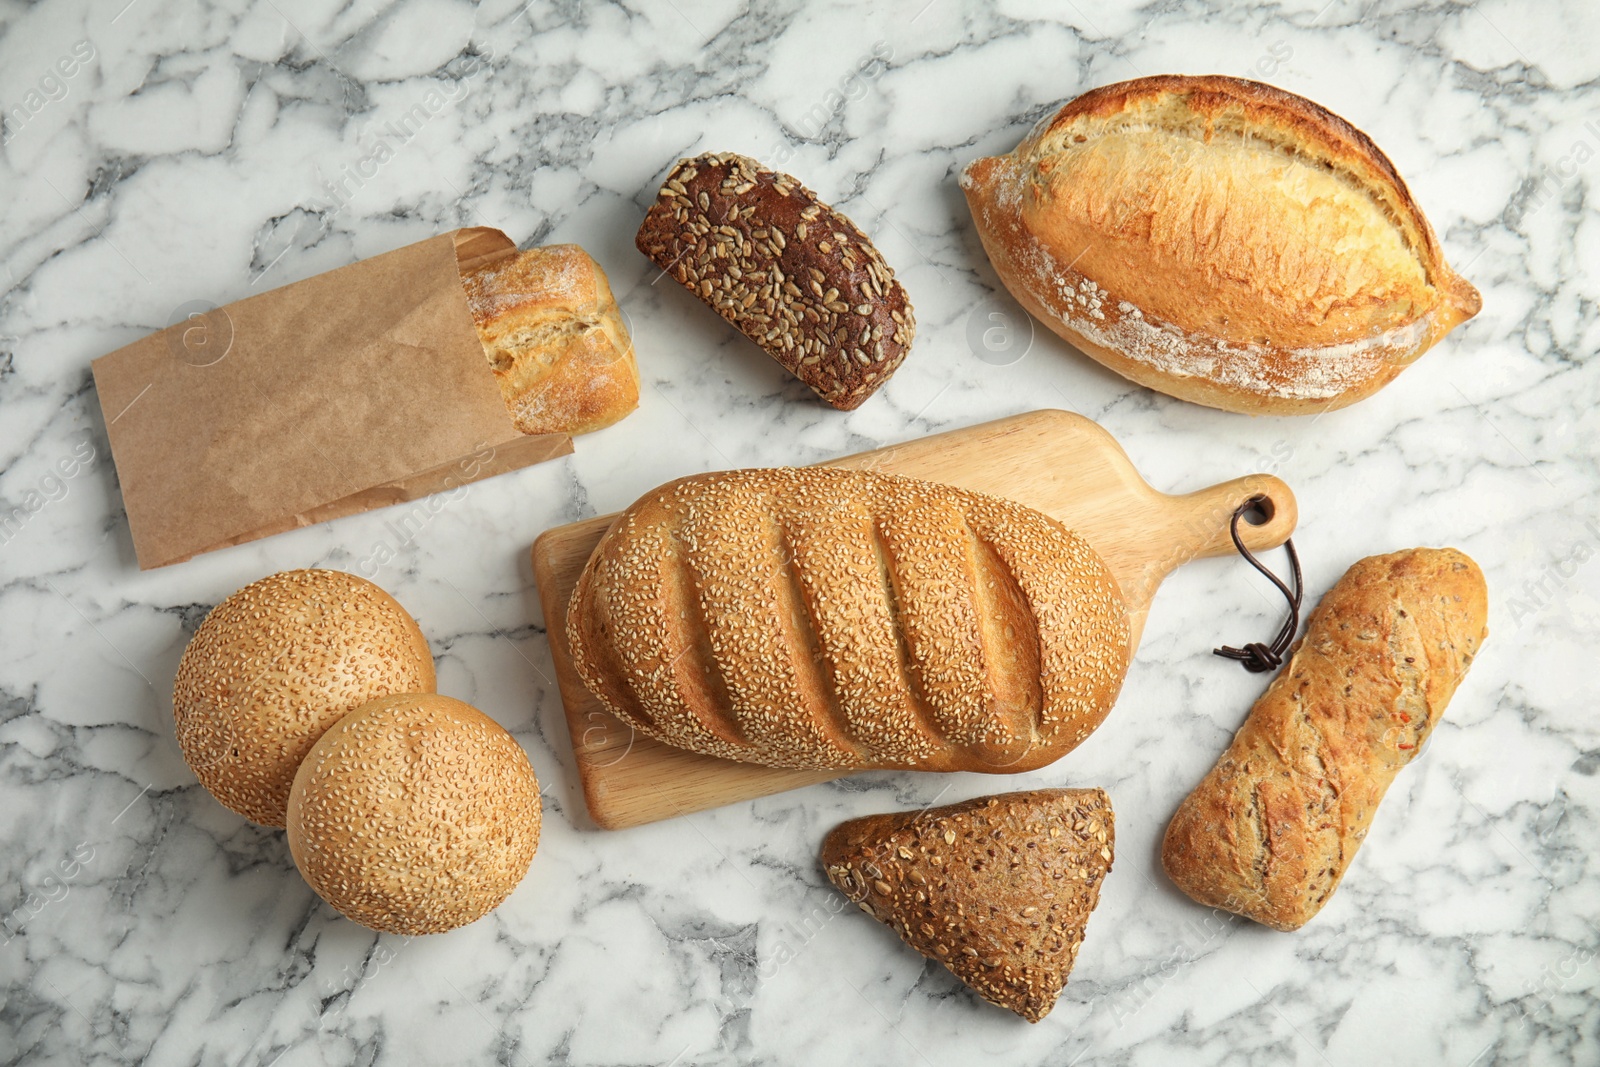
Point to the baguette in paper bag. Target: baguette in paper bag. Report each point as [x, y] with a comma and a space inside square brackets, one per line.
[366, 386]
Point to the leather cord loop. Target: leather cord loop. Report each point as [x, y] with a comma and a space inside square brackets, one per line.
[1255, 656]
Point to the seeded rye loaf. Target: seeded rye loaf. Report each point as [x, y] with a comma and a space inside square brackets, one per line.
[795, 276]
[998, 889]
[844, 619]
[1271, 830]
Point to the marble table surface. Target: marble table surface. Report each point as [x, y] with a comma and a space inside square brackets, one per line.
[159, 152]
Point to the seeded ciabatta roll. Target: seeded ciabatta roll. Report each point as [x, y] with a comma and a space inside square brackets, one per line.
[1219, 240]
[795, 276]
[998, 889]
[842, 619]
[555, 340]
[1271, 830]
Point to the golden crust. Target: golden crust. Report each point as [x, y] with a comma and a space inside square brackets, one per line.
[1219, 240]
[844, 619]
[1271, 830]
[276, 664]
[555, 338]
[998, 889]
[414, 814]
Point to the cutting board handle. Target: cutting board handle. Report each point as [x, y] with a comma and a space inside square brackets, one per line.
[1203, 517]
[1192, 525]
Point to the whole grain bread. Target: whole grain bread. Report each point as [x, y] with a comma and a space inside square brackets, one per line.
[555, 339]
[1273, 827]
[1220, 240]
[829, 618]
[794, 275]
[998, 889]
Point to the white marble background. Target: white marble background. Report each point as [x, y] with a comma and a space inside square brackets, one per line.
[185, 159]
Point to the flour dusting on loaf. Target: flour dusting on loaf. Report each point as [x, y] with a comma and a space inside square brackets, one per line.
[1317, 372]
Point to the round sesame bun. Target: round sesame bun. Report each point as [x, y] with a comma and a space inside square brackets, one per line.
[414, 814]
[275, 665]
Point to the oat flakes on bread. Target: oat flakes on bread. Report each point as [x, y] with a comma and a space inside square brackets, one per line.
[794, 275]
[998, 889]
[1219, 240]
[555, 340]
[1271, 830]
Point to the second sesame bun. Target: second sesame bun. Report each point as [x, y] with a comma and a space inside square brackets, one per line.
[276, 664]
[415, 814]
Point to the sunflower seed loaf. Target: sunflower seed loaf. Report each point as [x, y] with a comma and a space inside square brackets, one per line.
[823, 618]
[998, 889]
[795, 276]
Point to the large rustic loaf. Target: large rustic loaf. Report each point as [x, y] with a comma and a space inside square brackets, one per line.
[794, 275]
[998, 889]
[1220, 240]
[843, 619]
[1270, 831]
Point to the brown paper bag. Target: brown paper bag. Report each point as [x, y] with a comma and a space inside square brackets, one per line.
[359, 388]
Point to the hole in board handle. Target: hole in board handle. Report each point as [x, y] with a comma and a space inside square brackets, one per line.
[1260, 512]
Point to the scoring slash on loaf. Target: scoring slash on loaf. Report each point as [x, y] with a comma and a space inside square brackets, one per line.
[1221, 241]
[998, 889]
[414, 814]
[276, 664]
[555, 340]
[1271, 830]
[840, 619]
[794, 275]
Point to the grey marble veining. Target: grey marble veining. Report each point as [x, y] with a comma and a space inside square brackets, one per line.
[208, 151]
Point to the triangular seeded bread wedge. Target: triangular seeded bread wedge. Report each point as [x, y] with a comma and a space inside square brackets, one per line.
[997, 889]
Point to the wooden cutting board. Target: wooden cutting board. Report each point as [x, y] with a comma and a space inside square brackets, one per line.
[1059, 463]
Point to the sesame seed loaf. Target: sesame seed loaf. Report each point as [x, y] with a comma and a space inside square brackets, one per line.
[998, 889]
[822, 618]
[1271, 830]
[555, 339]
[1220, 240]
[795, 276]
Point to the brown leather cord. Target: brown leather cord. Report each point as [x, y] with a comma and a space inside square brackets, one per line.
[1255, 656]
